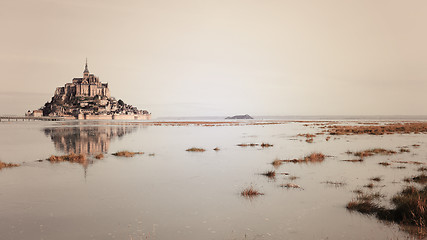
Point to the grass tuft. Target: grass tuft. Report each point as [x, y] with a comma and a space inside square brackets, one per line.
[194, 149]
[277, 162]
[250, 192]
[374, 151]
[72, 157]
[269, 174]
[8, 165]
[353, 160]
[290, 185]
[312, 158]
[264, 145]
[126, 154]
[247, 144]
[335, 183]
[376, 179]
[422, 179]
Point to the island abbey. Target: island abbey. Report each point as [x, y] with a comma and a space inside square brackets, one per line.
[88, 98]
[87, 86]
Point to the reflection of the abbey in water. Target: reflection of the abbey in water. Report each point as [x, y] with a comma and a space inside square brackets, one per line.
[87, 140]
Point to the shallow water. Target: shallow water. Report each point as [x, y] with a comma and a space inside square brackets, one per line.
[177, 194]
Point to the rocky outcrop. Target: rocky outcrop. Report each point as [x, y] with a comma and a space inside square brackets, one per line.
[246, 116]
[88, 98]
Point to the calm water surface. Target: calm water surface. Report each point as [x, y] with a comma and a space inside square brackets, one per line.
[185, 195]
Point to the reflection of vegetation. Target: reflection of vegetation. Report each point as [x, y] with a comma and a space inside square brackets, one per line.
[85, 140]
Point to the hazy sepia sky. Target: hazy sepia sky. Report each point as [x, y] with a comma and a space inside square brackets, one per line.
[221, 57]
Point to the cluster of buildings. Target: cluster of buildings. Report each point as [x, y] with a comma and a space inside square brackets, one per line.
[88, 98]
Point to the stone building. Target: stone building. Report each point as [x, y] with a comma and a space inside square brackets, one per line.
[88, 98]
[86, 86]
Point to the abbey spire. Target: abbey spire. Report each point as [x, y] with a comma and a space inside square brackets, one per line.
[86, 71]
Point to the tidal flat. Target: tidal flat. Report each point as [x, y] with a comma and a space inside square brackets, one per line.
[174, 193]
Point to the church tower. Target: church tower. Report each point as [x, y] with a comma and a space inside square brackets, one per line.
[86, 71]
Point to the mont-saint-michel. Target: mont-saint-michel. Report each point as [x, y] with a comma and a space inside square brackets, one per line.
[88, 98]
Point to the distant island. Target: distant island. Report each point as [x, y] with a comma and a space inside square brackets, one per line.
[87, 98]
[246, 116]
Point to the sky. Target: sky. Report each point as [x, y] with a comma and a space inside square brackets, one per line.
[221, 57]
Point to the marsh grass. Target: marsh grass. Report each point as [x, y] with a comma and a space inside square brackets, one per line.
[309, 137]
[404, 150]
[376, 179]
[250, 192]
[400, 167]
[409, 162]
[374, 151]
[312, 158]
[8, 165]
[265, 145]
[292, 178]
[353, 160]
[269, 174]
[276, 163]
[422, 179]
[358, 191]
[72, 157]
[365, 203]
[409, 207]
[335, 183]
[248, 144]
[126, 154]
[306, 135]
[290, 185]
[194, 149]
[401, 128]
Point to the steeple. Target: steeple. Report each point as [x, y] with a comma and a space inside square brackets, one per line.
[86, 71]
